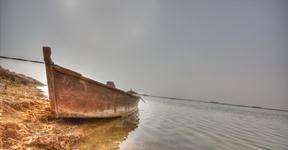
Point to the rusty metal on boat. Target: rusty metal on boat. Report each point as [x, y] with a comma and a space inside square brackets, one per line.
[72, 95]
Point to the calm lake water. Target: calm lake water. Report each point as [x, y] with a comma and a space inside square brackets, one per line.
[164, 124]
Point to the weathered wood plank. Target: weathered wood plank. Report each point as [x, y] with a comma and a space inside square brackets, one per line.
[73, 95]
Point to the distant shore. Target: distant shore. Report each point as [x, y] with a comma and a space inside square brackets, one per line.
[212, 102]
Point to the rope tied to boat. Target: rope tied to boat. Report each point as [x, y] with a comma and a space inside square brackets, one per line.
[22, 59]
[155, 96]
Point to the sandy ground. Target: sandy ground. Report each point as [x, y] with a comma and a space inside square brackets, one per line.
[25, 118]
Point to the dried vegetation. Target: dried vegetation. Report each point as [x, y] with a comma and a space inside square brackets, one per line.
[25, 118]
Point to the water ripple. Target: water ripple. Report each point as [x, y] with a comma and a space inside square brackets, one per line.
[185, 125]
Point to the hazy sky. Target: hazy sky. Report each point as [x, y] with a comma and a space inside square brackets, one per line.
[233, 51]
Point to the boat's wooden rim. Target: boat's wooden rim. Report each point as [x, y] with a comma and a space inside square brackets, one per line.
[50, 65]
[80, 76]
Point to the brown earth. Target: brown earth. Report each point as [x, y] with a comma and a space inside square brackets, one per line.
[25, 118]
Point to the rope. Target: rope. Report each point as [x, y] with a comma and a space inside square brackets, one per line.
[157, 96]
[22, 59]
[212, 102]
[173, 98]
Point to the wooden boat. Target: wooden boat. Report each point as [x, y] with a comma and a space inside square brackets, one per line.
[72, 95]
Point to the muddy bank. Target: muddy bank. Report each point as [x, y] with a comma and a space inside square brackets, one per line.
[25, 118]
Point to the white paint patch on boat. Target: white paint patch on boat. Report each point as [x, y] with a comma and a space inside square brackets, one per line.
[44, 90]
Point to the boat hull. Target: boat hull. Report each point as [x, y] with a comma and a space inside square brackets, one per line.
[73, 96]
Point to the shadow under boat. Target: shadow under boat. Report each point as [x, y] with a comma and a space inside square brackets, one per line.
[106, 133]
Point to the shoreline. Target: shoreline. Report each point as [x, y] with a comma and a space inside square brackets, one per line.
[25, 117]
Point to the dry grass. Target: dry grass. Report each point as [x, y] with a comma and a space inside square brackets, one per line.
[25, 119]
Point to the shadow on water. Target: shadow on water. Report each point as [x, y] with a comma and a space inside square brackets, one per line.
[105, 133]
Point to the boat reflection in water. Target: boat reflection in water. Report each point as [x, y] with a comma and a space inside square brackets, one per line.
[108, 133]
